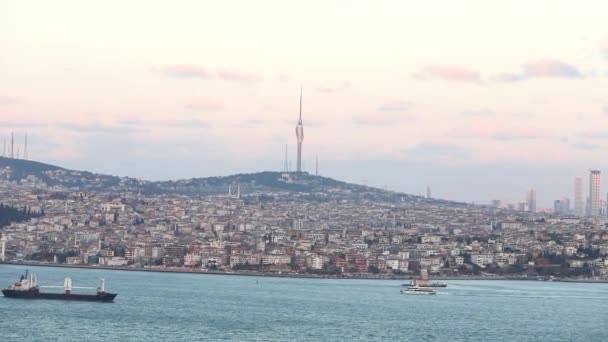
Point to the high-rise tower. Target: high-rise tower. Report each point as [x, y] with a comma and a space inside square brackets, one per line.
[594, 193]
[531, 200]
[579, 205]
[300, 136]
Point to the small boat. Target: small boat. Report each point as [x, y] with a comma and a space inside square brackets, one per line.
[418, 290]
[437, 284]
[27, 288]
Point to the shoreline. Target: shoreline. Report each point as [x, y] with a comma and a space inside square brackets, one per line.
[296, 275]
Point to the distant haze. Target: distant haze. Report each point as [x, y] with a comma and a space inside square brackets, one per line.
[480, 99]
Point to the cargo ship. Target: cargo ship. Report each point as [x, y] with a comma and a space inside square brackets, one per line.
[27, 288]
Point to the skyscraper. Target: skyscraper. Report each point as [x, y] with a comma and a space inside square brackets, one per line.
[594, 193]
[579, 205]
[300, 136]
[531, 200]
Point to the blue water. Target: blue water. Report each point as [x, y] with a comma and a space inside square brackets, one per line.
[189, 307]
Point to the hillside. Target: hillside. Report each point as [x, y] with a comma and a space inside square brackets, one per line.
[267, 184]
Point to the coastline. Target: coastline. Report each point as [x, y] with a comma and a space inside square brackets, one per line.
[295, 275]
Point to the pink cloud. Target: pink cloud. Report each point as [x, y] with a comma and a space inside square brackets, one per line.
[449, 73]
[185, 71]
[603, 46]
[550, 68]
[232, 75]
[507, 77]
[206, 104]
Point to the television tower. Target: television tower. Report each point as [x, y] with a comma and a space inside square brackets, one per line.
[300, 136]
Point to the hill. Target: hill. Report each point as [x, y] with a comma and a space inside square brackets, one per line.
[267, 185]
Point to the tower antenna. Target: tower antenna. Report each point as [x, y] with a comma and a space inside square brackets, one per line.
[300, 121]
[25, 148]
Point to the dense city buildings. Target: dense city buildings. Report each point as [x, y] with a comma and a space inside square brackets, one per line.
[288, 226]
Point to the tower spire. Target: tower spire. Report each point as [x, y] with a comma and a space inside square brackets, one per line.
[300, 136]
[300, 121]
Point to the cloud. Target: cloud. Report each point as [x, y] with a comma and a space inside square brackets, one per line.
[205, 104]
[490, 131]
[7, 100]
[382, 119]
[249, 123]
[430, 151]
[478, 112]
[603, 46]
[181, 123]
[507, 77]
[542, 68]
[96, 127]
[585, 146]
[335, 88]
[22, 123]
[550, 68]
[239, 76]
[448, 73]
[185, 71]
[394, 106]
[592, 135]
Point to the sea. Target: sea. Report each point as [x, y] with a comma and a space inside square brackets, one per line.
[155, 306]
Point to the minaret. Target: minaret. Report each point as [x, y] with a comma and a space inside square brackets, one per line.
[285, 166]
[25, 148]
[317, 166]
[12, 146]
[300, 136]
[229, 190]
[238, 191]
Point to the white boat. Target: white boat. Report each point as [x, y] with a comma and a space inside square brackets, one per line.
[418, 290]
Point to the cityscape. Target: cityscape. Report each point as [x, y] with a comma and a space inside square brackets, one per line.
[331, 231]
[364, 171]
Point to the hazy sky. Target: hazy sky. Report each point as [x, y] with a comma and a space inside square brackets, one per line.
[481, 99]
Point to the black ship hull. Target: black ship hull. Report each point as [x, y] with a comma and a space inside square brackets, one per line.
[100, 297]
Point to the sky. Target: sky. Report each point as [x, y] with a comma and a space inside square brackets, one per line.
[479, 99]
